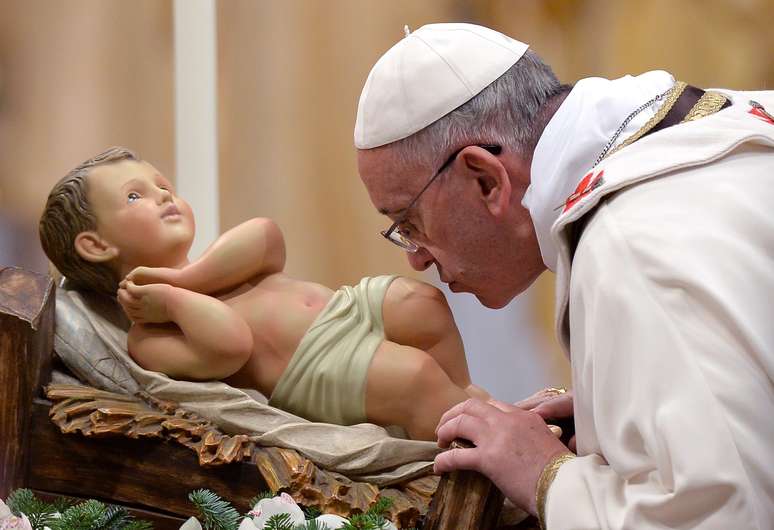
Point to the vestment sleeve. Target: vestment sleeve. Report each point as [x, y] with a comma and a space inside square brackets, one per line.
[673, 397]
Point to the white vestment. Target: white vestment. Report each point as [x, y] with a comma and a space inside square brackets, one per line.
[667, 310]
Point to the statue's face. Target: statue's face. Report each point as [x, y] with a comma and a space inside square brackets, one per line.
[138, 212]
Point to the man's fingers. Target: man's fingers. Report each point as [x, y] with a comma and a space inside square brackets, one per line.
[546, 394]
[556, 430]
[453, 412]
[457, 459]
[461, 426]
[559, 407]
[505, 407]
[472, 407]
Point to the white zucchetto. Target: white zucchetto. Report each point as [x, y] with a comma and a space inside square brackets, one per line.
[428, 74]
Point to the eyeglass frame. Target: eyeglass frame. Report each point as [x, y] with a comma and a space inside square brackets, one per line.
[406, 243]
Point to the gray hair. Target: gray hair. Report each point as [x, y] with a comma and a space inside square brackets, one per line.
[507, 113]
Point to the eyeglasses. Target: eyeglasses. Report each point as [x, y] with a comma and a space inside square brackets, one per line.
[393, 233]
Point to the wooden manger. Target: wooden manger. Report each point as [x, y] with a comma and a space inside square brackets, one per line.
[147, 455]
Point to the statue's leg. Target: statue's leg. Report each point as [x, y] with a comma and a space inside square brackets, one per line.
[405, 386]
[417, 314]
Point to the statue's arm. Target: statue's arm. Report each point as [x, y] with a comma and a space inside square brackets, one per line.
[253, 248]
[194, 336]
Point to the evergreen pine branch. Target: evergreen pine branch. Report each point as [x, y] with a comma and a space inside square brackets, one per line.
[83, 516]
[355, 522]
[39, 513]
[311, 512]
[132, 523]
[22, 501]
[381, 506]
[114, 518]
[41, 520]
[217, 513]
[262, 495]
[137, 524]
[373, 519]
[311, 524]
[280, 521]
[61, 504]
[366, 521]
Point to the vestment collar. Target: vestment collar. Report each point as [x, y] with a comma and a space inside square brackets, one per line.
[574, 137]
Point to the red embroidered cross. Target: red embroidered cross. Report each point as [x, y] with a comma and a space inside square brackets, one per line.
[586, 185]
[759, 112]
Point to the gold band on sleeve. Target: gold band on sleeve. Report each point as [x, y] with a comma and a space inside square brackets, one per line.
[544, 482]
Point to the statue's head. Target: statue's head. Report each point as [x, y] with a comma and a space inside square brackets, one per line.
[110, 214]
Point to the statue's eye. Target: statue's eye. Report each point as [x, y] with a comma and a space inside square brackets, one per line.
[133, 196]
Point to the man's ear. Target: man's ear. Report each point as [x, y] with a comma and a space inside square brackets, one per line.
[91, 247]
[491, 179]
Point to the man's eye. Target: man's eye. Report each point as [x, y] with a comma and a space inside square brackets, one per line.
[132, 196]
[406, 229]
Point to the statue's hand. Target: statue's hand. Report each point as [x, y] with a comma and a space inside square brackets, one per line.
[145, 304]
[149, 275]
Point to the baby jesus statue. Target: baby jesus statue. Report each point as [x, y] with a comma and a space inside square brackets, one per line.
[386, 351]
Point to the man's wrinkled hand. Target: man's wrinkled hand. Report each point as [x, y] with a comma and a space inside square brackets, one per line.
[558, 407]
[542, 396]
[512, 446]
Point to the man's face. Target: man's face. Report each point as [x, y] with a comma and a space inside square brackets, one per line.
[137, 212]
[495, 256]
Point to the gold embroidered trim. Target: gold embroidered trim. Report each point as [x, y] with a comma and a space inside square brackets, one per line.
[669, 102]
[547, 476]
[709, 103]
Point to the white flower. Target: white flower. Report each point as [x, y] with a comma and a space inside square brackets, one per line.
[15, 523]
[284, 503]
[389, 526]
[5, 511]
[247, 524]
[191, 524]
[332, 521]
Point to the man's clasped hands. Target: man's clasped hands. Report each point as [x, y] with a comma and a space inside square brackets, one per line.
[511, 446]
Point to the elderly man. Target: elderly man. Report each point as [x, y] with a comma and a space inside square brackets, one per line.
[651, 200]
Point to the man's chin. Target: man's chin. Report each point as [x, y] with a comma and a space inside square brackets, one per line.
[491, 303]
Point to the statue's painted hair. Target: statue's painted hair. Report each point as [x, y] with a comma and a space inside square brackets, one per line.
[67, 214]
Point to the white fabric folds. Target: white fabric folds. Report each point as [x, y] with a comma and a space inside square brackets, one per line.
[90, 340]
[577, 133]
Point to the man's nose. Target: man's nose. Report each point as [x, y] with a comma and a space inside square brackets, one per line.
[421, 259]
